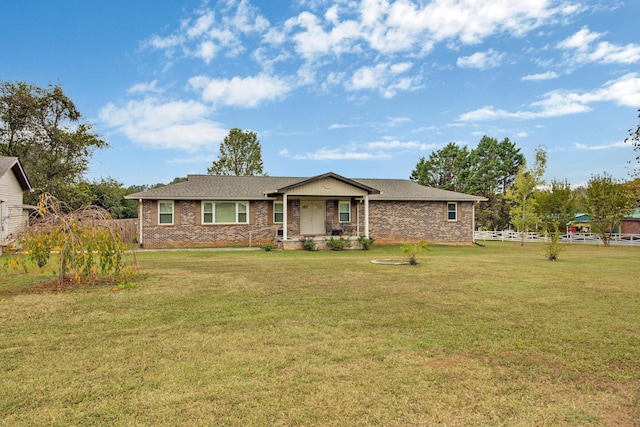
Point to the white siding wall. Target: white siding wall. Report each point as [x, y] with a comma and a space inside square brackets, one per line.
[11, 215]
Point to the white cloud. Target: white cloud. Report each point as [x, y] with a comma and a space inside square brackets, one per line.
[241, 92]
[549, 75]
[339, 126]
[624, 91]
[158, 124]
[383, 77]
[208, 34]
[619, 144]
[482, 60]
[582, 49]
[397, 121]
[145, 87]
[348, 153]
[400, 145]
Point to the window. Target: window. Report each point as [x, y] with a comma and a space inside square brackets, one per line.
[225, 212]
[344, 211]
[278, 215]
[165, 212]
[452, 211]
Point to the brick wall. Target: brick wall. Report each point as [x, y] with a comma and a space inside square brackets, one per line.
[395, 222]
[389, 222]
[188, 233]
[630, 227]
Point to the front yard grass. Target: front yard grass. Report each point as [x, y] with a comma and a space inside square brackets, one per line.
[470, 336]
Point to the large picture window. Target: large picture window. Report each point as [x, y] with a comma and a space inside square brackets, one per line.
[344, 211]
[278, 215]
[165, 212]
[225, 212]
[452, 211]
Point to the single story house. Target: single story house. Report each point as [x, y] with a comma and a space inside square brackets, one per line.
[217, 210]
[13, 213]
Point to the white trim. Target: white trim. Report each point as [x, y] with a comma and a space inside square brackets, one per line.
[455, 211]
[284, 216]
[173, 212]
[278, 202]
[342, 203]
[213, 212]
[366, 216]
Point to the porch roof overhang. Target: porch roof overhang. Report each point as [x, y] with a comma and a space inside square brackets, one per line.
[360, 188]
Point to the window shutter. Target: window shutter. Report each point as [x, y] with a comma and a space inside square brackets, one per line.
[252, 212]
[336, 212]
[154, 212]
[176, 213]
[270, 212]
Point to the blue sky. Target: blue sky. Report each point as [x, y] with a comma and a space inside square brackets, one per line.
[360, 88]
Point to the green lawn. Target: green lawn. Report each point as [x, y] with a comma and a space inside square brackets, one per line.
[470, 336]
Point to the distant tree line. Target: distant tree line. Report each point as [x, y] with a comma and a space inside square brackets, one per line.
[519, 197]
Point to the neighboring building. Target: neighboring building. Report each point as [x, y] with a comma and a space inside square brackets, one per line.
[628, 225]
[631, 223]
[214, 210]
[13, 213]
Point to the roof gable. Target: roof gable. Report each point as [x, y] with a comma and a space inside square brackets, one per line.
[326, 183]
[13, 164]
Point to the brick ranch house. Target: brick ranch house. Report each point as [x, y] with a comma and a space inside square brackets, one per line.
[216, 210]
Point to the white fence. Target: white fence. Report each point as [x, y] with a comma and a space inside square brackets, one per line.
[588, 238]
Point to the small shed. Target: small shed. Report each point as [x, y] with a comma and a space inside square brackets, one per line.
[13, 184]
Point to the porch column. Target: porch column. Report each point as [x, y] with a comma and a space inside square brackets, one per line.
[366, 216]
[284, 216]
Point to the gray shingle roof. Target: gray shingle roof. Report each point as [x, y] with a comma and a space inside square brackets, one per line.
[206, 187]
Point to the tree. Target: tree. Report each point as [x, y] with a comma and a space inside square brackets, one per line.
[634, 139]
[607, 202]
[43, 128]
[240, 154]
[556, 208]
[493, 167]
[82, 245]
[519, 194]
[446, 168]
[109, 195]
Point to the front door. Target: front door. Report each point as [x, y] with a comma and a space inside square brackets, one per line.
[312, 217]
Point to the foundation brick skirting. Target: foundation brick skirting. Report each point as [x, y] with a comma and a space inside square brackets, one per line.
[389, 222]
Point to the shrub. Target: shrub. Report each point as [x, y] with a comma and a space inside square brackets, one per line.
[337, 243]
[414, 249]
[308, 243]
[552, 246]
[268, 246]
[365, 242]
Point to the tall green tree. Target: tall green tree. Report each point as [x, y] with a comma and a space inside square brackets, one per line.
[240, 154]
[521, 191]
[446, 168]
[493, 167]
[43, 128]
[607, 202]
